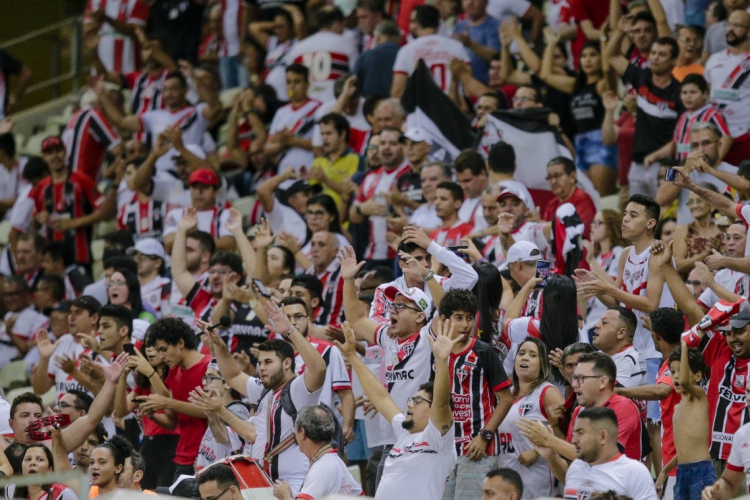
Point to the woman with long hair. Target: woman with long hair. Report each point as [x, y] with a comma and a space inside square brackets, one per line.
[593, 157]
[665, 229]
[695, 241]
[124, 289]
[534, 397]
[493, 295]
[603, 257]
[38, 459]
[557, 327]
[160, 433]
[107, 464]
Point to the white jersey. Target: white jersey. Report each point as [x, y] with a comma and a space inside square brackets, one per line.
[118, 52]
[272, 428]
[437, 51]
[374, 359]
[538, 480]
[10, 182]
[727, 75]
[22, 211]
[683, 211]
[739, 457]
[734, 281]
[299, 121]
[5, 428]
[622, 475]
[425, 216]
[27, 323]
[189, 119]
[631, 367]
[528, 231]
[635, 281]
[328, 56]
[210, 450]
[67, 346]
[471, 211]
[610, 262]
[329, 476]
[277, 59]
[232, 18]
[419, 463]
[213, 221]
[505, 9]
[156, 294]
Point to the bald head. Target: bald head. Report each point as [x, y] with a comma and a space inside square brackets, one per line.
[389, 114]
[737, 30]
[324, 245]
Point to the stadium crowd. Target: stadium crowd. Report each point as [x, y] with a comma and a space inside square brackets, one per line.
[476, 249]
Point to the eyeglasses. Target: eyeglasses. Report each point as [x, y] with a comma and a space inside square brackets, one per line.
[554, 177]
[579, 379]
[219, 271]
[693, 282]
[116, 283]
[217, 496]
[316, 213]
[62, 405]
[705, 144]
[415, 400]
[398, 308]
[296, 318]
[207, 379]
[139, 255]
[597, 223]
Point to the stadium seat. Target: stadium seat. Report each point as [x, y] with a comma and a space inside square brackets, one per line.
[244, 205]
[5, 227]
[227, 95]
[13, 374]
[611, 202]
[97, 249]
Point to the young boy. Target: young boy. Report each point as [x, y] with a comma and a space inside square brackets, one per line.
[694, 96]
[695, 469]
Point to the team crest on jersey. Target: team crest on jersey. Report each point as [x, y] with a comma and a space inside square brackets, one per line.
[663, 106]
[739, 381]
[406, 350]
[461, 374]
[636, 276]
[525, 409]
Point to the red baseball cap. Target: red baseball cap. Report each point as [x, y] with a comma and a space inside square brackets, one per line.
[204, 176]
[51, 143]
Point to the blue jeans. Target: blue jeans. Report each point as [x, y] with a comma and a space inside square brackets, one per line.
[233, 73]
[590, 150]
[692, 478]
[654, 410]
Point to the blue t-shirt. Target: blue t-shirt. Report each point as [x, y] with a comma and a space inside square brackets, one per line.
[484, 34]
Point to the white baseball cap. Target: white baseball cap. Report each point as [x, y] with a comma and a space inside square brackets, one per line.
[523, 251]
[513, 193]
[148, 246]
[418, 134]
[346, 6]
[422, 301]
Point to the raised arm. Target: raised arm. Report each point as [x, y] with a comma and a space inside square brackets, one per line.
[247, 252]
[115, 116]
[614, 49]
[180, 274]
[682, 296]
[363, 326]
[528, 55]
[561, 82]
[719, 202]
[41, 381]
[440, 411]
[230, 370]
[662, 26]
[516, 307]
[694, 391]
[266, 189]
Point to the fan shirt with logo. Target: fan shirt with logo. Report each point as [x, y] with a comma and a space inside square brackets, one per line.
[329, 476]
[476, 375]
[189, 119]
[437, 51]
[622, 475]
[328, 56]
[727, 75]
[273, 425]
[739, 458]
[143, 219]
[299, 121]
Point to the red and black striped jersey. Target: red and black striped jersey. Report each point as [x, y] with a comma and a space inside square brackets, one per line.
[88, 137]
[476, 374]
[331, 309]
[146, 91]
[689, 118]
[201, 301]
[72, 199]
[142, 219]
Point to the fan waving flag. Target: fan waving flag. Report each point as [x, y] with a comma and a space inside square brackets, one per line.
[429, 108]
[567, 248]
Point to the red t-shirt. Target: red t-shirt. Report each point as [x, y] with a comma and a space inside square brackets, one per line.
[151, 428]
[181, 382]
[626, 122]
[595, 11]
[584, 206]
[630, 429]
[667, 405]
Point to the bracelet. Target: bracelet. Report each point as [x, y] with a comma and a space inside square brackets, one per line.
[152, 374]
[429, 276]
[287, 334]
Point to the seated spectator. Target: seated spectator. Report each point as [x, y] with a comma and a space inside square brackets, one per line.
[21, 322]
[697, 240]
[561, 175]
[107, 465]
[219, 480]
[448, 201]
[500, 483]
[38, 459]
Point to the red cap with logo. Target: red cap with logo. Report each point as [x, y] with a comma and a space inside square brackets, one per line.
[51, 143]
[204, 176]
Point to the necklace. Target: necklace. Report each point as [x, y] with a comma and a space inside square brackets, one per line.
[322, 451]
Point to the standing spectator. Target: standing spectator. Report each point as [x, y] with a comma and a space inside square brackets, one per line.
[436, 50]
[472, 176]
[142, 216]
[690, 40]
[561, 176]
[68, 204]
[234, 21]
[408, 193]
[155, 288]
[730, 92]
[326, 267]
[278, 35]
[115, 23]
[449, 198]
[716, 36]
[327, 54]
[374, 68]
[339, 163]
[179, 25]
[655, 121]
[9, 66]
[478, 32]
[613, 336]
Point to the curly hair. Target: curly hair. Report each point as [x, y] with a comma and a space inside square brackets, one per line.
[458, 299]
[120, 448]
[695, 360]
[171, 331]
[613, 228]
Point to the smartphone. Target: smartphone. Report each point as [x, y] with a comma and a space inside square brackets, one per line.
[261, 288]
[542, 271]
[138, 400]
[671, 175]
[456, 249]
[129, 348]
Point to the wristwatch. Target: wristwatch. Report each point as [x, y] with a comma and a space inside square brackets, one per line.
[486, 435]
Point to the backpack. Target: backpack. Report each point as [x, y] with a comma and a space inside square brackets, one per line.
[337, 441]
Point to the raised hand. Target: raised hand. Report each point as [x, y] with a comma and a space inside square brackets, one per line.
[140, 363]
[683, 179]
[444, 341]
[349, 266]
[288, 241]
[610, 100]
[44, 344]
[707, 277]
[66, 364]
[662, 253]
[263, 237]
[472, 251]
[715, 261]
[413, 267]
[506, 222]
[348, 347]
[162, 144]
[279, 322]
[413, 234]
[114, 370]
[189, 220]
[234, 222]
[208, 402]
[555, 358]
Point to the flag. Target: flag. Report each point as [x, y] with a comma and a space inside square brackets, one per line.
[533, 139]
[567, 248]
[428, 107]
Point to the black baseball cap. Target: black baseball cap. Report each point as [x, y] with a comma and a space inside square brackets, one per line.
[310, 283]
[63, 306]
[87, 302]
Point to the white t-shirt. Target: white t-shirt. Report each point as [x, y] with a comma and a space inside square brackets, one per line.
[631, 367]
[739, 457]
[734, 281]
[156, 294]
[117, 51]
[189, 119]
[721, 73]
[437, 51]
[291, 464]
[277, 59]
[683, 211]
[418, 464]
[284, 218]
[299, 121]
[210, 451]
[471, 211]
[622, 475]
[67, 346]
[375, 360]
[505, 9]
[212, 221]
[328, 56]
[425, 216]
[328, 476]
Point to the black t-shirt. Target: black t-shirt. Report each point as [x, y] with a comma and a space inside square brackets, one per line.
[587, 107]
[178, 23]
[658, 111]
[558, 102]
[246, 330]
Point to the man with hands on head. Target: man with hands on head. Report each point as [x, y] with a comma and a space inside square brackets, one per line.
[276, 382]
[424, 454]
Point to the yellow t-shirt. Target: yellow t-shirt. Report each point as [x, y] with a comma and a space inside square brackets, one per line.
[343, 168]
